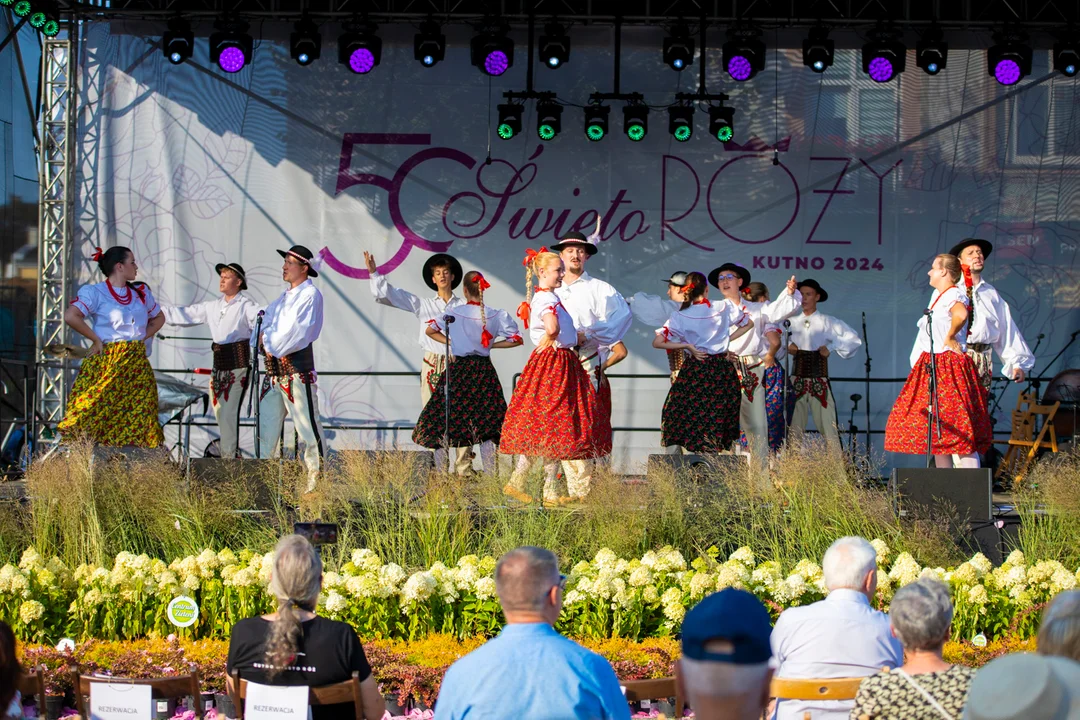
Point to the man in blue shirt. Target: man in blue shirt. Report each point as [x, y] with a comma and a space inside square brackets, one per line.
[529, 670]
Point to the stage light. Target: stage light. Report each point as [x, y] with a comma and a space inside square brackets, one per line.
[681, 122]
[596, 122]
[884, 57]
[554, 46]
[1009, 59]
[744, 53]
[21, 8]
[818, 50]
[359, 48]
[636, 122]
[509, 120]
[548, 119]
[51, 28]
[492, 52]
[932, 52]
[1067, 57]
[6, 3]
[178, 42]
[679, 48]
[37, 20]
[722, 123]
[429, 45]
[305, 42]
[231, 46]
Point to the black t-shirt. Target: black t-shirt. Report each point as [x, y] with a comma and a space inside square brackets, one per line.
[328, 652]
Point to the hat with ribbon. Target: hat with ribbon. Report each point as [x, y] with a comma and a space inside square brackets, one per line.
[678, 278]
[984, 245]
[743, 273]
[236, 268]
[822, 295]
[301, 253]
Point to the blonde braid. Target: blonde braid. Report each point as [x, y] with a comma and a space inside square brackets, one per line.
[528, 281]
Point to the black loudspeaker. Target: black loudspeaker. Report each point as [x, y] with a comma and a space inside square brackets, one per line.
[967, 489]
[698, 465]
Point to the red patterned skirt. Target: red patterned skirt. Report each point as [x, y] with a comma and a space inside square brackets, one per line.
[477, 406]
[554, 412]
[701, 412]
[965, 426]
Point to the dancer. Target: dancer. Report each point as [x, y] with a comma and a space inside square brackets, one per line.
[654, 310]
[701, 413]
[814, 337]
[554, 413]
[774, 377]
[992, 326]
[114, 399]
[290, 325]
[959, 425]
[231, 319]
[442, 273]
[733, 281]
[477, 405]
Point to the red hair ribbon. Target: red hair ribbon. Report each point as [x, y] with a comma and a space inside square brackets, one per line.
[484, 284]
[96, 257]
[530, 254]
[523, 313]
[702, 301]
[745, 291]
[688, 288]
[486, 338]
[968, 280]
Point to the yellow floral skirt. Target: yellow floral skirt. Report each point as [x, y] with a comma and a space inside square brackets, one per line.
[114, 400]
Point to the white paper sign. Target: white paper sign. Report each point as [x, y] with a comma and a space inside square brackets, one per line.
[120, 702]
[275, 702]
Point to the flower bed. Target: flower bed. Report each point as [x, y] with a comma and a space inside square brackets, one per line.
[606, 597]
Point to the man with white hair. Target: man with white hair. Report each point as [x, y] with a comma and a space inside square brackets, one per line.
[724, 668]
[840, 636]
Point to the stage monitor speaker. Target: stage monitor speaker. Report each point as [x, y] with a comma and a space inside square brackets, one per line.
[967, 489]
[697, 465]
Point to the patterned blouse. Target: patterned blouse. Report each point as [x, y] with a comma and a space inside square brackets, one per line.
[889, 696]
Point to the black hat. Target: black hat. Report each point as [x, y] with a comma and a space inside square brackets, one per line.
[822, 295]
[984, 245]
[714, 276]
[236, 268]
[575, 238]
[678, 278]
[302, 254]
[442, 259]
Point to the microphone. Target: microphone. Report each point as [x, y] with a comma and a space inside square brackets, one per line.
[261, 313]
[448, 319]
[787, 323]
[1040, 336]
[856, 397]
[927, 312]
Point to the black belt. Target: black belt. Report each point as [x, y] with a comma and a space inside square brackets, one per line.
[300, 362]
[810, 364]
[232, 356]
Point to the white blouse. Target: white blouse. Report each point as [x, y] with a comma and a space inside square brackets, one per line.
[810, 332]
[466, 332]
[753, 343]
[544, 302]
[112, 320]
[941, 304]
[705, 325]
[293, 321]
[424, 308]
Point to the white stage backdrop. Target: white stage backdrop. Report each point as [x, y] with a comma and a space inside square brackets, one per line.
[190, 167]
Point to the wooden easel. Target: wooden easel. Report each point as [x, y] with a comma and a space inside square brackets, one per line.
[1024, 443]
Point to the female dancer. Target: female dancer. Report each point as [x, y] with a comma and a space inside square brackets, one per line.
[554, 412]
[958, 424]
[772, 360]
[701, 413]
[477, 405]
[114, 399]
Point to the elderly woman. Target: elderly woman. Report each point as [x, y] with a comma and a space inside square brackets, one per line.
[925, 687]
[1059, 633]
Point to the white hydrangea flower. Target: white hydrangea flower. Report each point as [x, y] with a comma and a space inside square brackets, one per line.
[640, 576]
[466, 576]
[649, 559]
[485, 588]
[581, 568]
[331, 580]
[701, 583]
[904, 570]
[796, 586]
[810, 570]
[933, 573]
[743, 555]
[650, 594]
[19, 585]
[336, 602]
[605, 558]
[672, 603]
[92, 598]
[881, 549]
[573, 597]
[266, 568]
[418, 588]
[365, 586]
[732, 573]
[978, 595]
[766, 575]
[392, 575]
[1062, 580]
[243, 577]
[668, 559]
[981, 563]
[365, 559]
[1016, 558]
[30, 611]
[226, 557]
[192, 582]
[208, 563]
[966, 574]
[30, 559]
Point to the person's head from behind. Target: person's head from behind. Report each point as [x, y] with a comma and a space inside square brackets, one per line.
[295, 582]
[118, 260]
[757, 292]
[695, 289]
[921, 613]
[1059, 633]
[1024, 686]
[725, 656]
[851, 563]
[529, 585]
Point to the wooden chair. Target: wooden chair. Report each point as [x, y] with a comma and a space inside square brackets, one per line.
[164, 687]
[814, 689]
[661, 688]
[1024, 442]
[32, 683]
[342, 692]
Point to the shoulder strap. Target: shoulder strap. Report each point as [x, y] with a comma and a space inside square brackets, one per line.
[926, 695]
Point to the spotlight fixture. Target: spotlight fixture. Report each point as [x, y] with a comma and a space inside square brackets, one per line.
[492, 52]
[1009, 59]
[681, 122]
[884, 57]
[509, 120]
[818, 50]
[722, 123]
[359, 48]
[548, 119]
[177, 43]
[744, 53]
[1067, 56]
[429, 45]
[596, 122]
[22, 8]
[305, 42]
[51, 28]
[932, 52]
[679, 48]
[636, 121]
[231, 46]
[554, 46]
[37, 20]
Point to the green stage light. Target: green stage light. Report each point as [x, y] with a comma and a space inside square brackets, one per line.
[37, 20]
[722, 123]
[6, 3]
[596, 122]
[636, 122]
[681, 122]
[548, 119]
[50, 28]
[509, 120]
[21, 8]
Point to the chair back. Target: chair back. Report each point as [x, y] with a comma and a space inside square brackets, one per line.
[660, 688]
[162, 687]
[31, 683]
[340, 692]
[814, 688]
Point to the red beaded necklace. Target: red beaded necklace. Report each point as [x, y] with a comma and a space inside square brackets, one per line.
[116, 296]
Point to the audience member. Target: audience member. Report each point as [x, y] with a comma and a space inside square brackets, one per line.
[1023, 686]
[529, 670]
[725, 657]
[925, 687]
[840, 636]
[10, 670]
[1059, 633]
[294, 646]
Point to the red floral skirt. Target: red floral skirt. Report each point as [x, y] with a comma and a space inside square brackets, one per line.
[477, 406]
[554, 412]
[965, 426]
[701, 412]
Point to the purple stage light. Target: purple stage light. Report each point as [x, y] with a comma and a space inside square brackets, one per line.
[361, 61]
[881, 69]
[739, 68]
[1007, 72]
[231, 59]
[496, 63]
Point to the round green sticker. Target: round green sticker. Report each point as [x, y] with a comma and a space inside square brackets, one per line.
[979, 640]
[183, 611]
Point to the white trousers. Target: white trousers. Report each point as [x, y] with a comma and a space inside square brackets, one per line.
[824, 418]
[752, 418]
[430, 370]
[300, 401]
[228, 388]
[578, 482]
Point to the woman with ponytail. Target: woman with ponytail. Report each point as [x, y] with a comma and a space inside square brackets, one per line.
[477, 404]
[114, 399]
[295, 646]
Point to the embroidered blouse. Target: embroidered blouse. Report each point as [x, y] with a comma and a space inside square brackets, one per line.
[117, 320]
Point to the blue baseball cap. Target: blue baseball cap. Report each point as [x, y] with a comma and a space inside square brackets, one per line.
[735, 616]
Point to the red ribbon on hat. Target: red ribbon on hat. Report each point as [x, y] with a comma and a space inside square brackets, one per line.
[523, 313]
[484, 284]
[96, 257]
[968, 280]
[530, 254]
[486, 338]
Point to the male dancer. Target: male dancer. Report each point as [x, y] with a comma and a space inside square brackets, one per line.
[442, 273]
[290, 325]
[231, 319]
[815, 336]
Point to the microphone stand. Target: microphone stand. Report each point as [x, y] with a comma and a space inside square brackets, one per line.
[866, 347]
[933, 414]
[853, 430]
[1001, 393]
[255, 388]
[447, 320]
[787, 374]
